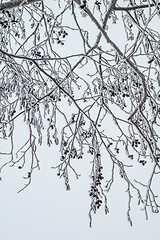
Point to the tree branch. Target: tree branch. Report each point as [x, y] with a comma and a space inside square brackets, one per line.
[131, 64]
[136, 7]
[16, 3]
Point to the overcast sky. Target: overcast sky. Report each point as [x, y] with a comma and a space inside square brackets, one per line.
[45, 210]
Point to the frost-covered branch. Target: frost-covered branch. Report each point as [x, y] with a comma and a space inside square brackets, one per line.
[16, 3]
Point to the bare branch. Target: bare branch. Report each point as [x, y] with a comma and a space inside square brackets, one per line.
[16, 3]
[136, 7]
